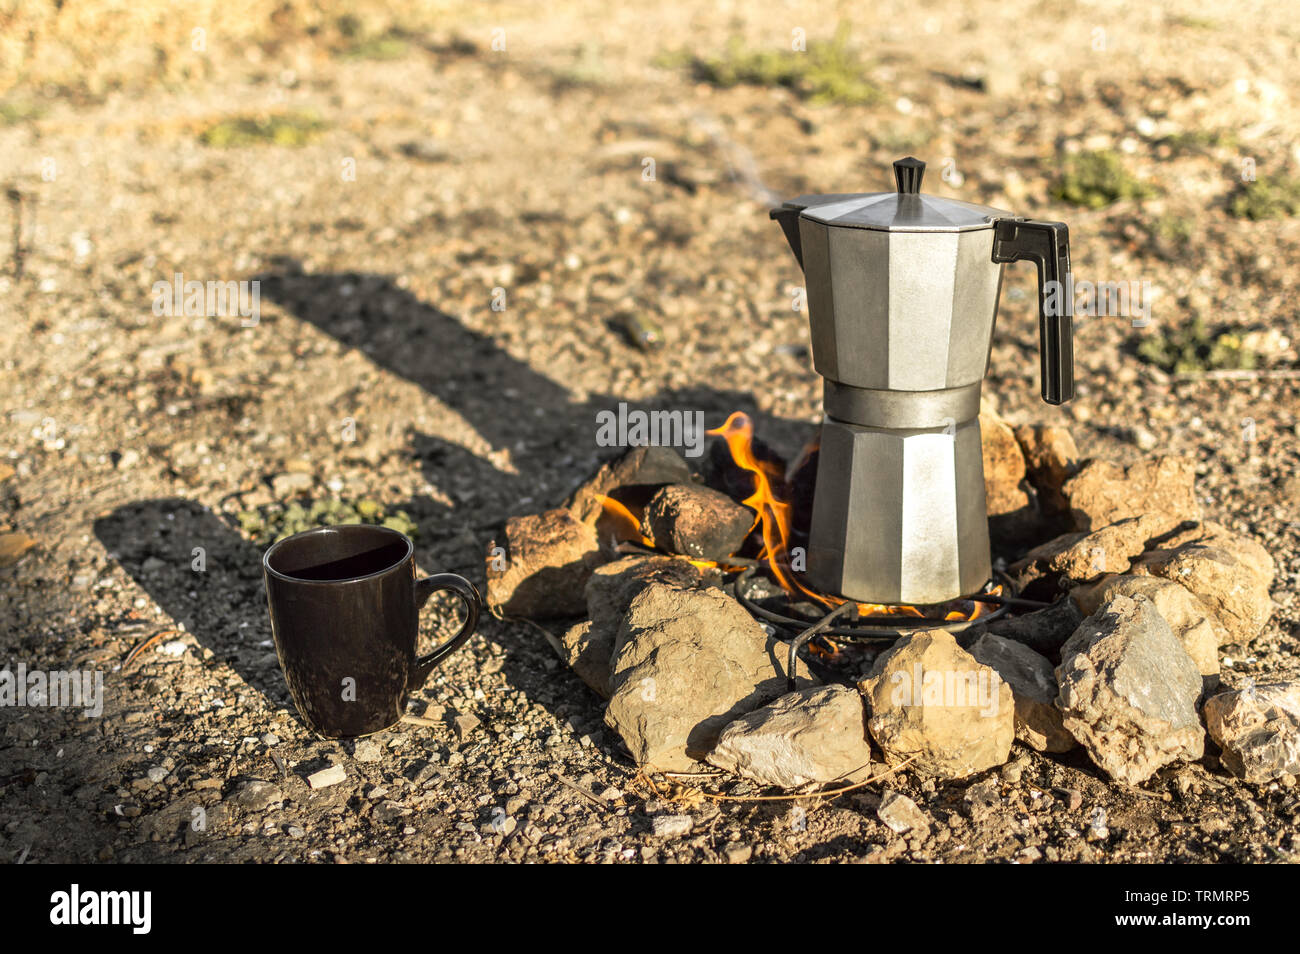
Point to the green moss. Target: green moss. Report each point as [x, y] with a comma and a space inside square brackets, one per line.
[828, 71]
[1192, 348]
[1096, 179]
[1199, 141]
[13, 112]
[283, 129]
[392, 45]
[1273, 198]
[1174, 229]
[275, 521]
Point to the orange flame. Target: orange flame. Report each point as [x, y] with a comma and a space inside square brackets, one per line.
[770, 500]
[623, 523]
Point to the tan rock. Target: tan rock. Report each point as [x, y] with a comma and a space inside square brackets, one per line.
[1082, 556]
[1228, 586]
[588, 647]
[687, 663]
[1196, 627]
[13, 546]
[931, 701]
[815, 735]
[1128, 691]
[1051, 458]
[544, 570]
[1250, 552]
[1258, 730]
[1102, 493]
[1004, 467]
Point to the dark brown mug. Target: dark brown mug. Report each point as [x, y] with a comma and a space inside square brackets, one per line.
[345, 609]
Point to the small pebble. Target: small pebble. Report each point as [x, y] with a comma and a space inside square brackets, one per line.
[327, 777]
[671, 826]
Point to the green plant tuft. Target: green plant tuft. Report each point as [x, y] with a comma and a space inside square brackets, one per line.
[282, 129]
[1273, 198]
[828, 72]
[275, 521]
[1193, 348]
[1096, 179]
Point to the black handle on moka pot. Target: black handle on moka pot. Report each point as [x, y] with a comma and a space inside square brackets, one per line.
[1047, 245]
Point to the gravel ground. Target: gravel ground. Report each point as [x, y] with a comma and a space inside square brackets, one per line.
[455, 177]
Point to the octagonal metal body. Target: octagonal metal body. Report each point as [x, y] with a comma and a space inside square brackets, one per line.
[896, 310]
[899, 514]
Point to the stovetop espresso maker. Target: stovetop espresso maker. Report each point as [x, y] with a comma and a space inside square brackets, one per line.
[902, 293]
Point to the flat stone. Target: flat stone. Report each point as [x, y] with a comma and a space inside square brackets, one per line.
[327, 777]
[814, 735]
[1198, 629]
[1103, 493]
[1128, 691]
[932, 702]
[697, 522]
[1079, 557]
[1258, 730]
[1033, 687]
[256, 795]
[686, 664]
[548, 559]
[901, 815]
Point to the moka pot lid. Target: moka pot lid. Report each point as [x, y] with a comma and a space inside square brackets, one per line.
[905, 210]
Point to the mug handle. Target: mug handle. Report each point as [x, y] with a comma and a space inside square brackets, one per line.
[426, 587]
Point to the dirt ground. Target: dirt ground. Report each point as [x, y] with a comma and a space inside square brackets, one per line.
[440, 176]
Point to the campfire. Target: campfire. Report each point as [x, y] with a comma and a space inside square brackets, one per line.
[682, 602]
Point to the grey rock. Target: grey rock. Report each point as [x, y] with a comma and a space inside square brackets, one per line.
[686, 664]
[367, 750]
[1128, 691]
[257, 796]
[1044, 631]
[1033, 686]
[1258, 729]
[933, 703]
[814, 735]
[671, 826]
[901, 815]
